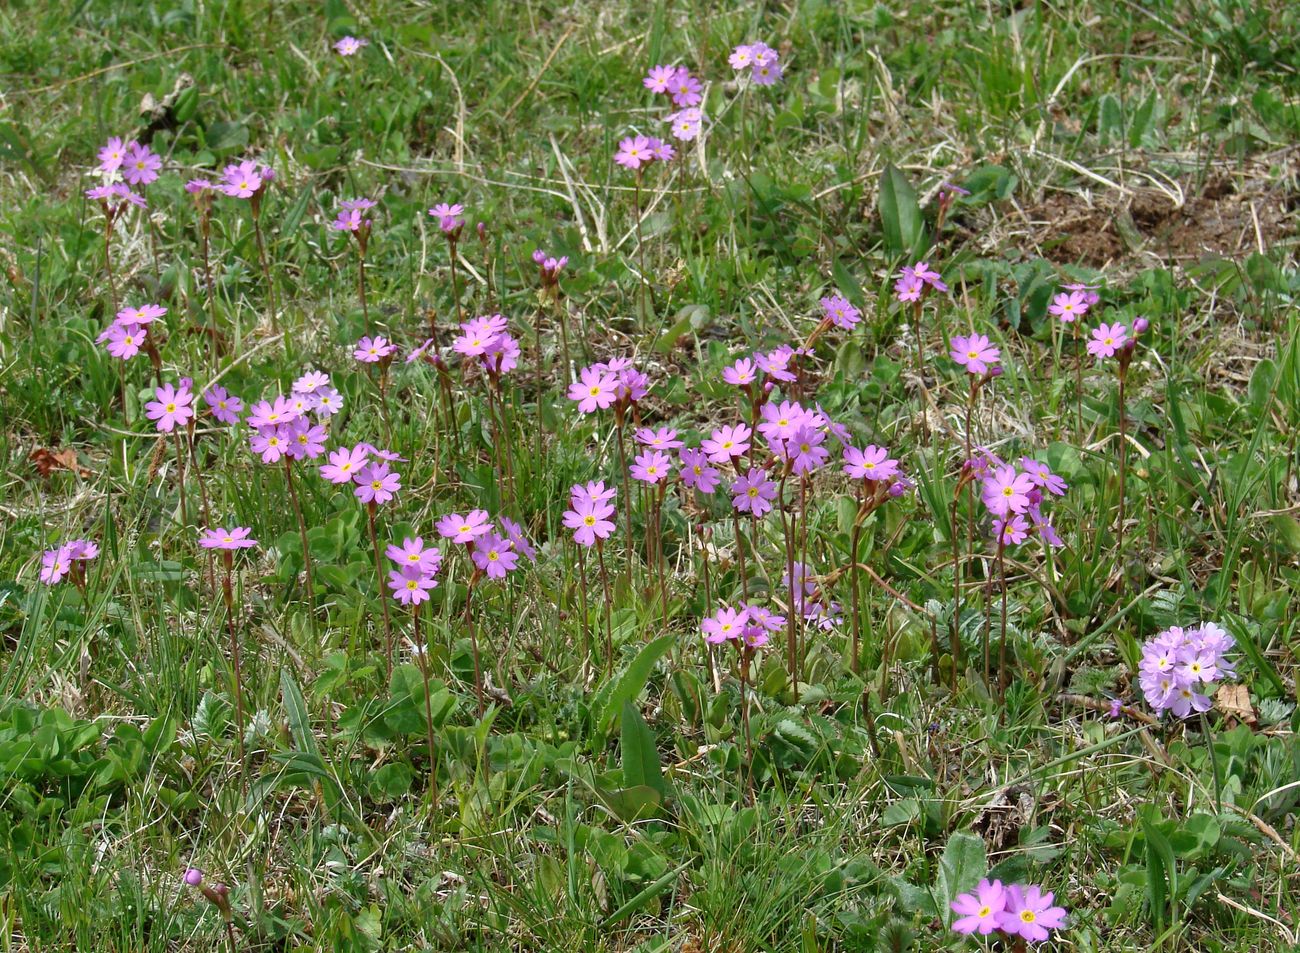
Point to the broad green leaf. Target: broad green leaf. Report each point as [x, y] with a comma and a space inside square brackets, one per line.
[900, 215]
[961, 866]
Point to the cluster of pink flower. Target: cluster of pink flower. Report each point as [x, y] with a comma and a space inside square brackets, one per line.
[135, 162]
[636, 151]
[807, 598]
[1073, 303]
[448, 218]
[126, 335]
[685, 91]
[488, 340]
[239, 180]
[840, 312]
[1015, 497]
[68, 558]
[550, 267]
[763, 62]
[373, 482]
[615, 383]
[914, 281]
[1178, 666]
[417, 570]
[1017, 910]
[349, 217]
[590, 508]
[493, 554]
[748, 627]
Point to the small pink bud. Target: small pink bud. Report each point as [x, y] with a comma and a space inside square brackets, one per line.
[193, 876]
[1140, 325]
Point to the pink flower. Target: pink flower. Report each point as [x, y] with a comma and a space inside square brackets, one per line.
[727, 443]
[1069, 307]
[1011, 530]
[1030, 913]
[1107, 339]
[410, 586]
[665, 438]
[869, 463]
[272, 443]
[767, 74]
[684, 88]
[696, 472]
[909, 288]
[1089, 292]
[413, 554]
[594, 390]
[373, 350]
[725, 624]
[658, 78]
[223, 405]
[265, 414]
[741, 373]
[145, 314]
[55, 564]
[806, 451]
[515, 533]
[306, 440]
[841, 312]
[651, 467]
[634, 152]
[350, 45]
[925, 273]
[980, 910]
[686, 124]
[781, 421]
[345, 464]
[326, 402]
[112, 155]
[742, 57]
[237, 537]
[595, 490]
[172, 407]
[448, 216]
[1043, 477]
[243, 180]
[662, 151]
[1007, 491]
[140, 165]
[753, 493]
[377, 483]
[464, 529]
[975, 353]
[494, 555]
[589, 518]
[123, 341]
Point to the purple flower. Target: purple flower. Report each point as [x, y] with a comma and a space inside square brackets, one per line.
[840, 312]
[143, 315]
[1107, 339]
[725, 624]
[1007, 491]
[696, 472]
[494, 555]
[377, 483]
[805, 450]
[1069, 307]
[686, 123]
[684, 88]
[1011, 530]
[979, 911]
[753, 493]
[515, 533]
[909, 288]
[410, 585]
[414, 555]
[350, 45]
[727, 443]
[264, 414]
[448, 217]
[140, 165]
[1030, 914]
[594, 390]
[741, 373]
[306, 440]
[242, 180]
[373, 350]
[272, 443]
[589, 519]
[173, 406]
[237, 537]
[975, 353]
[223, 405]
[123, 341]
[869, 463]
[113, 154]
[652, 466]
[634, 152]
[464, 529]
[1043, 477]
[658, 78]
[781, 421]
[665, 438]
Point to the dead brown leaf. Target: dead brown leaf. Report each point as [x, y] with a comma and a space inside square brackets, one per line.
[1234, 701]
[47, 461]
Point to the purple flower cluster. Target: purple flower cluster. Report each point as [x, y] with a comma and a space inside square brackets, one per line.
[636, 151]
[374, 482]
[684, 89]
[615, 383]
[763, 62]
[349, 216]
[915, 280]
[589, 514]
[748, 627]
[493, 555]
[448, 218]
[127, 334]
[550, 267]
[135, 162]
[245, 180]
[809, 602]
[1014, 497]
[416, 570]
[67, 558]
[1179, 665]
[1073, 303]
[488, 340]
[1017, 910]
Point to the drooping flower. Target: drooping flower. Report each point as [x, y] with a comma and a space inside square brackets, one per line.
[975, 353]
[173, 406]
[237, 537]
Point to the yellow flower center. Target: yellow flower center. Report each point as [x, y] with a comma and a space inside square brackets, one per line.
[171, 408]
[1027, 916]
[493, 555]
[129, 339]
[589, 520]
[984, 912]
[464, 529]
[1008, 491]
[753, 492]
[595, 392]
[412, 584]
[375, 484]
[227, 539]
[972, 354]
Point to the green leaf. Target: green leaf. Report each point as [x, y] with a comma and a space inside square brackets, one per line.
[640, 756]
[295, 712]
[226, 137]
[900, 214]
[608, 702]
[960, 868]
[1162, 874]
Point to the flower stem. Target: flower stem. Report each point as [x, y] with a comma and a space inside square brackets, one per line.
[422, 653]
[609, 633]
[227, 590]
[302, 535]
[383, 590]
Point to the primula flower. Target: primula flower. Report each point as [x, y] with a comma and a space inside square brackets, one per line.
[727, 443]
[1178, 666]
[1043, 477]
[662, 151]
[115, 190]
[781, 421]
[267, 414]
[651, 467]
[975, 353]
[377, 483]
[140, 165]
[272, 443]
[776, 364]
[1011, 530]
[753, 493]
[741, 373]
[410, 586]
[725, 624]
[123, 340]
[197, 187]
[595, 490]
[113, 154]
[686, 124]
[589, 519]
[414, 555]
[633, 152]
[696, 472]
[684, 88]
[172, 407]
[448, 216]
[145, 314]
[909, 288]
[1089, 292]
[494, 555]
[765, 618]
[869, 463]
[350, 45]
[242, 180]
[237, 537]
[373, 350]
[1007, 491]
[464, 529]
[345, 464]
[55, 564]
[742, 57]
[1029, 913]
[1107, 339]
[841, 312]
[805, 450]
[980, 911]
[594, 390]
[658, 78]
[766, 74]
[326, 402]
[665, 438]
[310, 382]
[925, 273]
[306, 440]
[222, 404]
[515, 533]
[1069, 307]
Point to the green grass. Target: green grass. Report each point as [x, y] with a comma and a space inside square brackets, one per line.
[1142, 145]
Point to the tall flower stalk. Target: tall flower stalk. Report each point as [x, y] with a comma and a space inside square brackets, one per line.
[226, 541]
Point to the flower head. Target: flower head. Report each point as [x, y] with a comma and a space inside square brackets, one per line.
[350, 45]
[634, 152]
[373, 350]
[753, 493]
[140, 165]
[979, 911]
[344, 464]
[975, 353]
[464, 529]
[377, 483]
[869, 463]
[653, 466]
[696, 472]
[123, 341]
[494, 555]
[725, 624]
[684, 88]
[1107, 339]
[658, 78]
[243, 180]
[1006, 491]
[173, 406]
[1029, 913]
[237, 537]
[411, 585]
[594, 390]
[727, 443]
[840, 312]
[113, 154]
[222, 404]
[588, 518]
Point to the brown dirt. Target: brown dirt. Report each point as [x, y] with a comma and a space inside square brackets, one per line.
[1226, 219]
